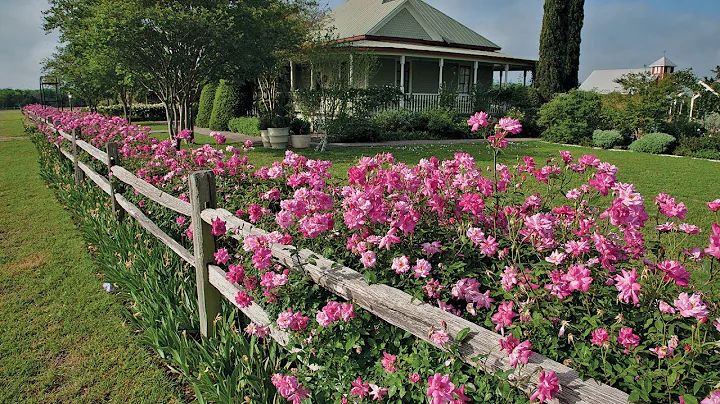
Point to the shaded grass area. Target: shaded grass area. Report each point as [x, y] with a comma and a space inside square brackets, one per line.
[154, 125]
[63, 337]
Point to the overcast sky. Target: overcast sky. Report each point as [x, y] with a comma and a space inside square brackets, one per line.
[617, 33]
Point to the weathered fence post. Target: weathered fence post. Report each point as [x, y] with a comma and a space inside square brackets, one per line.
[203, 195]
[78, 172]
[113, 160]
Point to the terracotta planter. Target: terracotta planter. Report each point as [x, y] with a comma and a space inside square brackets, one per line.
[300, 141]
[279, 137]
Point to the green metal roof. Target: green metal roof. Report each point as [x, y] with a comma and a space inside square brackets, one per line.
[378, 17]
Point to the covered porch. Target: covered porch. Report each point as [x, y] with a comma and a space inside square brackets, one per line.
[424, 73]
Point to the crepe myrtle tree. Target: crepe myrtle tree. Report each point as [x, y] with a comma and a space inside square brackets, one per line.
[174, 48]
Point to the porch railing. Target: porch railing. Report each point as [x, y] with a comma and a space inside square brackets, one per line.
[464, 104]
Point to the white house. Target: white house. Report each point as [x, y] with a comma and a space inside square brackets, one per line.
[419, 50]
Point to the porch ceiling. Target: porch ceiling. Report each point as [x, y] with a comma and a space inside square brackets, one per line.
[410, 49]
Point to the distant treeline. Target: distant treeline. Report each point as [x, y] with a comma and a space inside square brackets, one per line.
[11, 98]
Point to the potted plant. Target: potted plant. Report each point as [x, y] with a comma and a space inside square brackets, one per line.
[279, 131]
[300, 133]
[263, 124]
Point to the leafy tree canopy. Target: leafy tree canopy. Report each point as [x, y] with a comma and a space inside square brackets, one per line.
[173, 48]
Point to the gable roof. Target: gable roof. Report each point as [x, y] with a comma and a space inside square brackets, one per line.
[603, 81]
[358, 18]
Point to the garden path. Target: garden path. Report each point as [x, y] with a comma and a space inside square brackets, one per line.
[232, 137]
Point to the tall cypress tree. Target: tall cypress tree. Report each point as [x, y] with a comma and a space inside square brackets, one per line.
[557, 70]
[576, 16]
[553, 49]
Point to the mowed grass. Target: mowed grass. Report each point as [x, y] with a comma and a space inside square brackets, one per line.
[63, 338]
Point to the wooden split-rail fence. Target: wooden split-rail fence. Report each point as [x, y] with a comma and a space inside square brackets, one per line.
[479, 348]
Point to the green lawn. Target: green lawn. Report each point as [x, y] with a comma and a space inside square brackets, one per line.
[63, 338]
[153, 125]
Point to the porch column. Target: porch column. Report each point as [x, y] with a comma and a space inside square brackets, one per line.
[352, 78]
[440, 76]
[507, 72]
[292, 76]
[312, 77]
[475, 75]
[402, 80]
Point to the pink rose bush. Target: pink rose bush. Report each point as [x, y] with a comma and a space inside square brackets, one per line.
[560, 254]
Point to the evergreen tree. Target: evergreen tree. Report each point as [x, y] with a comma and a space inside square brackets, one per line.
[553, 49]
[576, 15]
[557, 70]
[207, 99]
[226, 101]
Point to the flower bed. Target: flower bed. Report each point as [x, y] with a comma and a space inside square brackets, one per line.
[563, 271]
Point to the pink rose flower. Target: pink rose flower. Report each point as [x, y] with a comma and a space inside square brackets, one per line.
[222, 256]
[547, 387]
[388, 362]
[627, 339]
[600, 337]
[691, 306]
[218, 227]
[243, 299]
[480, 119]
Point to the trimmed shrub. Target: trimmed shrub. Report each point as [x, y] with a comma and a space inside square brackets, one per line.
[571, 118]
[442, 123]
[224, 105]
[246, 125]
[352, 129]
[207, 99]
[607, 139]
[705, 147]
[399, 120]
[654, 143]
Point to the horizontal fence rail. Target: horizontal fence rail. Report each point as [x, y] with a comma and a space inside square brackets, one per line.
[404, 311]
[150, 226]
[150, 191]
[480, 348]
